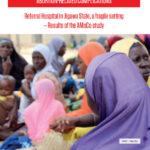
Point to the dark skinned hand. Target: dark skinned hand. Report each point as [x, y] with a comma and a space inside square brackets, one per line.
[7, 65]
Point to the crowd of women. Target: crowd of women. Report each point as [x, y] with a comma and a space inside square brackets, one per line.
[114, 101]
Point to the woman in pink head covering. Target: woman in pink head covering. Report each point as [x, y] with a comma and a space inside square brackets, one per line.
[43, 110]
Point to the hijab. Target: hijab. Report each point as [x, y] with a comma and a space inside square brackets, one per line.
[113, 39]
[68, 83]
[102, 40]
[55, 45]
[123, 101]
[87, 53]
[124, 46]
[58, 94]
[43, 110]
[18, 62]
[44, 51]
[145, 39]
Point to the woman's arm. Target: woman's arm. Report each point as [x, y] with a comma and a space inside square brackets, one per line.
[69, 61]
[63, 123]
[87, 120]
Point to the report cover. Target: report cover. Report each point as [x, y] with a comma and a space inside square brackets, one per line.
[30, 27]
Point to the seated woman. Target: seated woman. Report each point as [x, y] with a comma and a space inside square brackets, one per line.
[40, 113]
[85, 55]
[58, 92]
[137, 52]
[57, 48]
[41, 58]
[119, 98]
[11, 63]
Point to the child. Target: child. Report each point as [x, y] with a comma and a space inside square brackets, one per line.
[29, 72]
[58, 89]
[7, 102]
[69, 85]
[7, 99]
[43, 110]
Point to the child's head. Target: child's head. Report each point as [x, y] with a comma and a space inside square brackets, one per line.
[29, 72]
[68, 84]
[7, 85]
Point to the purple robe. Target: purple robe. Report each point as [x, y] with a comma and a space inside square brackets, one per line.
[123, 101]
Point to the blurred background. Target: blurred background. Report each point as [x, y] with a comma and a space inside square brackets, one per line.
[24, 43]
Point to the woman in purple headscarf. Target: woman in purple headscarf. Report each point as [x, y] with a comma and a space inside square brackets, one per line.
[120, 97]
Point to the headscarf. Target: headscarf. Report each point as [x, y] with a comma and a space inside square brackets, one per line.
[44, 51]
[54, 45]
[145, 39]
[58, 94]
[124, 46]
[68, 83]
[18, 62]
[113, 39]
[102, 40]
[87, 53]
[123, 101]
[43, 110]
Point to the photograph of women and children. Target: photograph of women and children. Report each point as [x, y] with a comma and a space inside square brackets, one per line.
[74, 92]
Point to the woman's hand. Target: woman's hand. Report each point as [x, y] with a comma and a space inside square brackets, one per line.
[62, 124]
[7, 66]
[70, 61]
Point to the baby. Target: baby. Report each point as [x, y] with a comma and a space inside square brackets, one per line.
[7, 99]
[26, 99]
[8, 107]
